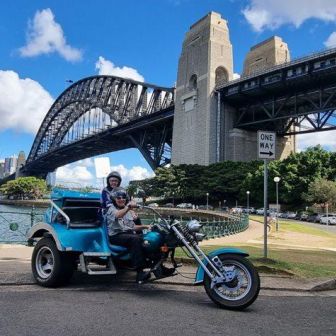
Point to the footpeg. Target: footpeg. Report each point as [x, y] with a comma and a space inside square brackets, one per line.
[91, 269]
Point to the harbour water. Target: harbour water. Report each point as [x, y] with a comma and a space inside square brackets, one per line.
[20, 217]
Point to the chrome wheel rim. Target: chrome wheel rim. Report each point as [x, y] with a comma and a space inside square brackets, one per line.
[239, 287]
[44, 262]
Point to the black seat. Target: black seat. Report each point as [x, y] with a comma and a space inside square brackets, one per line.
[83, 217]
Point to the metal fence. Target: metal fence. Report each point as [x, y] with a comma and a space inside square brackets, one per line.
[216, 227]
[225, 227]
[15, 224]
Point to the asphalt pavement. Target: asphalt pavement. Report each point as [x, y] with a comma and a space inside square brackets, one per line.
[149, 310]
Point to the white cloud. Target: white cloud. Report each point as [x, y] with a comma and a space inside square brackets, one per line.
[23, 103]
[46, 36]
[75, 173]
[135, 173]
[236, 76]
[326, 139]
[106, 67]
[266, 14]
[331, 41]
[88, 163]
[82, 173]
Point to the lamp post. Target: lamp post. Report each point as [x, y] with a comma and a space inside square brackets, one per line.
[248, 201]
[207, 195]
[277, 180]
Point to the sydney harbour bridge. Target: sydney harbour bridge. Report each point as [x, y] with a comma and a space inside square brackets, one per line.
[103, 114]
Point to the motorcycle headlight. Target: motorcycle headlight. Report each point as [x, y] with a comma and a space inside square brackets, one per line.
[194, 226]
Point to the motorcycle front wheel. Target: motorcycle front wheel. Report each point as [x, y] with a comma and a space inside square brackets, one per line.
[241, 291]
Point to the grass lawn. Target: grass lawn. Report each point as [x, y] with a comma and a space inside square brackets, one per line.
[308, 262]
[299, 263]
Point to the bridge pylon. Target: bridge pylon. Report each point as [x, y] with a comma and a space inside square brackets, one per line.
[204, 130]
[206, 58]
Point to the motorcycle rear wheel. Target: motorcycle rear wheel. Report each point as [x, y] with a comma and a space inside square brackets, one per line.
[239, 293]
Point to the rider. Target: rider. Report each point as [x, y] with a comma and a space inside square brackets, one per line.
[122, 229]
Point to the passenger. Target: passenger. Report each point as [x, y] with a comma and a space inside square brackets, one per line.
[122, 230]
[113, 180]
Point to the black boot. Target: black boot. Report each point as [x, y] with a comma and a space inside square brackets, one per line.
[142, 276]
[163, 271]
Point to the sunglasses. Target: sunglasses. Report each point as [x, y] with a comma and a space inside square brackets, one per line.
[121, 197]
[113, 181]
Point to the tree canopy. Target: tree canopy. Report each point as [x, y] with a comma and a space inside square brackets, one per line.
[229, 180]
[25, 187]
[321, 191]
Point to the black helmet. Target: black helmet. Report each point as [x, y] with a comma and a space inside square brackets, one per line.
[119, 192]
[113, 174]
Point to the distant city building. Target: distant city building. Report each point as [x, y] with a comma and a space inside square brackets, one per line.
[2, 168]
[51, 179]
[21, 160]
[10, 165]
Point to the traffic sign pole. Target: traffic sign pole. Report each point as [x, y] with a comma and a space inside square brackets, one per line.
[266, 151]
[265, 206]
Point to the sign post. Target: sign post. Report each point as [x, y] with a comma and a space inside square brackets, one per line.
[266, 151]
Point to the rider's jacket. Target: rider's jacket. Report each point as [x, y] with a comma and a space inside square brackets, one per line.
[119, 225]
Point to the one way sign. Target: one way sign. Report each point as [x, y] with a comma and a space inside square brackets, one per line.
[266, 145]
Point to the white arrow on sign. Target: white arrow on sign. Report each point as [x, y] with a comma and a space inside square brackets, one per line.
[266, 145]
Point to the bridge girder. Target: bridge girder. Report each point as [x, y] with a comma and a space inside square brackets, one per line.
[99, 107]
[293, 98]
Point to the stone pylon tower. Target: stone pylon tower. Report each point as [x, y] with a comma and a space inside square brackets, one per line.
[206, 59]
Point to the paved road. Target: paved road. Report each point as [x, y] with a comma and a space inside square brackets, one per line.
[151, 310]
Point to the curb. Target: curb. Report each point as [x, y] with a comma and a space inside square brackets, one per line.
[328, 285]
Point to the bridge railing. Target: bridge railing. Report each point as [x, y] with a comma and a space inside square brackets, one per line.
[279, 66]
[15, 224]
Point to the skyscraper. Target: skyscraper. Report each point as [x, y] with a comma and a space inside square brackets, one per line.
[10, 165]
[2, 168]
[21, 160]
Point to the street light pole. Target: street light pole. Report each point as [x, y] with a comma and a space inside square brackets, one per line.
[277, 180]
[207, 195]
[248, 201]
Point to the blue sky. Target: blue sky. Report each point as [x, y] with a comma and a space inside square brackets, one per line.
[44, 43]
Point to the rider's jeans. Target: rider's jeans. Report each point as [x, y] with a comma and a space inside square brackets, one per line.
[134, 243]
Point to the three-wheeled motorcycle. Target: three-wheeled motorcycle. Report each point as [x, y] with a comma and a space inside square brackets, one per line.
[74, 235]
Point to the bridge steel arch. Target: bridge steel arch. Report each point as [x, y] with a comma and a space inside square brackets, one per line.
[110, 113]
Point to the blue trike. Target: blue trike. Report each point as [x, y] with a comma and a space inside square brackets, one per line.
[74, 236]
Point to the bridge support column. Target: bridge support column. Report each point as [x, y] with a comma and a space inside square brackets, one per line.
[206, 59]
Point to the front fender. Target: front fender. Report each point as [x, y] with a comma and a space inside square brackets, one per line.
[200, 271]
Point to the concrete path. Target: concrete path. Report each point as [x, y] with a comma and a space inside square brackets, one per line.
[254, 231]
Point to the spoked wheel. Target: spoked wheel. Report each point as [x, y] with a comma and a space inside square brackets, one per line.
[242, 287]
[51, 267]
